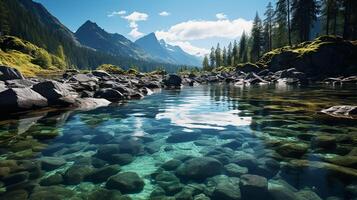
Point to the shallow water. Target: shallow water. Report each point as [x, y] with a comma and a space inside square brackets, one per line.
[247, 126]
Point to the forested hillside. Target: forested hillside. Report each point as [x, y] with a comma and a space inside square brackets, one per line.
[32, 22]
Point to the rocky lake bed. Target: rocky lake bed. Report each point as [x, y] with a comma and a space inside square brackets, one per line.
[220, 136]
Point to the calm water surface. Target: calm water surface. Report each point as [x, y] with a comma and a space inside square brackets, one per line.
[275, 132]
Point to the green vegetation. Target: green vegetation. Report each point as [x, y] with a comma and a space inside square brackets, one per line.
[113, 69]
[27, 57]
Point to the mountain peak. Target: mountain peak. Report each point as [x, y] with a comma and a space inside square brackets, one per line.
[89, 25]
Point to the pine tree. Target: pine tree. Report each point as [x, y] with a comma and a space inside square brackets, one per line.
[243, 48]
[224, 57]
[218, 53]
[205, 64]
[229, 56]
[4, 23]
[268, 27]
[235, 54]
[256, 39]
[304, 14]
[212, 58]
[350, 19]
[282, 22]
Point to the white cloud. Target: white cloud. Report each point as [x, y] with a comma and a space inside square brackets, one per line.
[164, 13]
[135, 33]
[137, 16]
[133, 18]
[180, 34]
[114, 13]
[221, 16]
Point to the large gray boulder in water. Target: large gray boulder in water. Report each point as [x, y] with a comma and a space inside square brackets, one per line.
[9, 73]
[20, 99]
[52, 90]
[172, 80]
[344, 111]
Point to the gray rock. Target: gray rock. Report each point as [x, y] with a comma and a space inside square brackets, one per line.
[109, 94]
[52, 180]
[51, 192]
[9, 73]
[199, 168]
[127, 182]
[51, 163]
[21, 99]
[172, 80]
[19, 83]
[226, 191]
[102, 174]
[100, 73]
[76, 174]
[90, 103]
[52, 90]
[344, 111]
[235, 170]
[253, 187]
[171, 164]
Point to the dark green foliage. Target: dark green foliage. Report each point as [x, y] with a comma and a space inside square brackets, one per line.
[205, 64]
[212, 58]
[256, 39]
[304, 14]
[218, 56]
[243, 48]
[268, 28]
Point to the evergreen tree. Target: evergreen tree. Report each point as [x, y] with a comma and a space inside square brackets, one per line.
[268, 27]
[330, 11]
[218, 53]
[205, 64]
[243, 48]
[235, 54]
[350, 19]
[282, 30]
[256, 39]
[4, 23]
[229, 54]
[224, 57]
[212, 58]
[304, 14]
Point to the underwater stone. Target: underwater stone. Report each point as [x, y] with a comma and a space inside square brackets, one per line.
[235, 170]
[102, 174]
[226, 191]
[171, 164]
[52, 180]
[183, 137]
[347, 161]
[308, 194]
[101, 138]
[104, 194]
[126, 183]
[199, 168]
[324, 141]
[292, 150]
[51, 163]
[184, 194]
[130, 146]
[15, 195]
[16, 178]
[51, 192]
[253, 187]
[76, 174]
[121, 158]
[106, 151]
[201, 197]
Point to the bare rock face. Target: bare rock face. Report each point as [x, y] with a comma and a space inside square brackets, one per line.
[21, 99]
[9, 73]
[343, 111]
[52, 90]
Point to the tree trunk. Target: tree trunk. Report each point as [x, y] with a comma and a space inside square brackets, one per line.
[328, 4]
[347, 21]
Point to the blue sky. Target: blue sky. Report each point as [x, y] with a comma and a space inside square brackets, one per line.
[195, 25]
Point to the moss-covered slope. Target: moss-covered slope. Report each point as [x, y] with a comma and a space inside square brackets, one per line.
[28, 58]
[322, 57]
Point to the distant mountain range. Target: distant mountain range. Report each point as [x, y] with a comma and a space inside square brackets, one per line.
[160, 50]
[90, 46]
[146, 48]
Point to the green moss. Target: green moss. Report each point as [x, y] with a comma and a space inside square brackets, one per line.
[113, 69]
[29, 59]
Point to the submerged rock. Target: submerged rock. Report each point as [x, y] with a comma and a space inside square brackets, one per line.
[51, 163]
[76, 174]
[183, 137]
[102, 174]
[253, 187]
[292, 150]
[199, 168]
[172, 80]
[126, 183]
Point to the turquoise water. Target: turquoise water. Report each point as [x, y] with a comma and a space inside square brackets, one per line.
[275, 132]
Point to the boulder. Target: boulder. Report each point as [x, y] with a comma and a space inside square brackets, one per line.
[90, 103]
[100, 73]
[21, 99]
[51, 163]
[51, 192]
[324, 141]
[54, 179]
[76, 174]
[126, 183]
[109, 94]
[172, 80]
[19, 83]
[9, 73]
[253, 187]
[292, 150]
[199, 168]
[52, 90]
[235, 170]
[226, 191]
[102, 174]
[83, 78]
